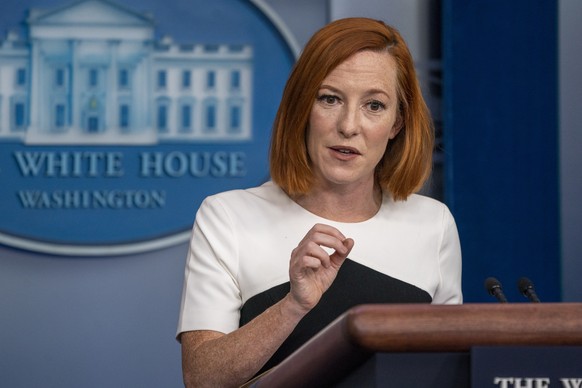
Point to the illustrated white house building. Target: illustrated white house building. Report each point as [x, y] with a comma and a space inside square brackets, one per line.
[93, 73]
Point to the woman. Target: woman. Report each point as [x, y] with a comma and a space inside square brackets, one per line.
[268, 266]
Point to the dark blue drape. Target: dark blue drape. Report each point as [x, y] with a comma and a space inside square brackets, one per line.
[501, 141]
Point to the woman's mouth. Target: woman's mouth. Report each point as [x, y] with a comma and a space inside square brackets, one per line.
[345, 150]
[344, 154]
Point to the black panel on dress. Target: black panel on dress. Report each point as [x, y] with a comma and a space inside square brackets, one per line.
[355, 284]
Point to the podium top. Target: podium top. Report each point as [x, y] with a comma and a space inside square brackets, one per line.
[366, 329]
[422, 328]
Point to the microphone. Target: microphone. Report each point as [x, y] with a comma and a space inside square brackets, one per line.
[493, 287]
[526, 287]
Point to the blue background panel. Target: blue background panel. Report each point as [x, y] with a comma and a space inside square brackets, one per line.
[501, 142]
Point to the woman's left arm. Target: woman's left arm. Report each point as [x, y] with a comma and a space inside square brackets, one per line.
[450, 263]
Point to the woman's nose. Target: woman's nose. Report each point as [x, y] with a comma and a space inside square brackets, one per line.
[349, 122]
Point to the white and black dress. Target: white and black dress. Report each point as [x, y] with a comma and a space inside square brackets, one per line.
[238, 262]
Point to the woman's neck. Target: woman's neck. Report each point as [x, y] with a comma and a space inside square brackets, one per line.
[342, 204]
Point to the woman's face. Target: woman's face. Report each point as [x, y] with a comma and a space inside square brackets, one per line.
[352, 120]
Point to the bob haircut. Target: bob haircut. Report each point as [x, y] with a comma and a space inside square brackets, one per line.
[407, 161]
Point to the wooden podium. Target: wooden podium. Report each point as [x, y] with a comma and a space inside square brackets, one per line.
[364, 332]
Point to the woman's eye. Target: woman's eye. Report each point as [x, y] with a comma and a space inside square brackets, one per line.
[375, 106]
[328, 99]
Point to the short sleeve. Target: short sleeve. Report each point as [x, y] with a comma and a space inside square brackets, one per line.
[450, 264]
[211, 298]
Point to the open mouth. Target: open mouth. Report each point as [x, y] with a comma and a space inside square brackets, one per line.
[346, 151]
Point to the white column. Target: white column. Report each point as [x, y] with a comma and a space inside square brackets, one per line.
[112, 119]
[74, 88]
[35, 88]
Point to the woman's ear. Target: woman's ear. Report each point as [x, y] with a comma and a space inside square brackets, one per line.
[398, 125]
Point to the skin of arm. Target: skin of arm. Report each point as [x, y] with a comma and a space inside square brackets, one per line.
[212, 359]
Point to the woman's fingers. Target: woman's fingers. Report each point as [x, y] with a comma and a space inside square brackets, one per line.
[315, 262]
[326, 236]
[322, 246]
[338, 257]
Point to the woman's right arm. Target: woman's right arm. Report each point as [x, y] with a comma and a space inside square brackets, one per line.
[214, 359]
[211, 358]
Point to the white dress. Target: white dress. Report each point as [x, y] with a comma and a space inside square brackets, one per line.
[242, 241]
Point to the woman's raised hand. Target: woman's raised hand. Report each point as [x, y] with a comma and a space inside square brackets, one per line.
[312, 268]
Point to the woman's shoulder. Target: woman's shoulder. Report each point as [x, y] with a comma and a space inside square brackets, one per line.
[265, 190]
[266, 193]
[417, 204]
[416, 200]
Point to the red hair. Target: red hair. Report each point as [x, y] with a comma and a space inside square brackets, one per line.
[407, 161]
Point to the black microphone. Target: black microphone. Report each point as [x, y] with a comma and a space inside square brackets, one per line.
[493, 287]
[526, 287]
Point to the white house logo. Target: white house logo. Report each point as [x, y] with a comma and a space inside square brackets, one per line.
[110, 136]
